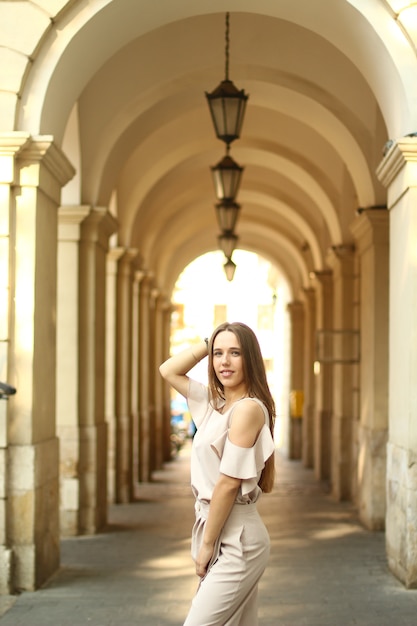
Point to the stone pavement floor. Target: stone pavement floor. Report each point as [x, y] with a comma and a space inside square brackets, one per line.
[325, 568]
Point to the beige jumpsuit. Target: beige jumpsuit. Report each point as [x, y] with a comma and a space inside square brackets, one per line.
[227, 595]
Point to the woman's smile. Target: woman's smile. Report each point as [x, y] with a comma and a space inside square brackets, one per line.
[226, 373]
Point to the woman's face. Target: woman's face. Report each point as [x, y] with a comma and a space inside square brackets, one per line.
[227, 360]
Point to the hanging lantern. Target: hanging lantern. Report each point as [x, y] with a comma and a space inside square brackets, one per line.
[229, 269]
[226, 178]
[227, 103]
[227, 214]
[227, 243]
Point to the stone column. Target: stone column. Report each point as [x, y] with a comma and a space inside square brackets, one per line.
[341, 259]
[152, 368]
[324, 380]
[371, 232]
[144, 380]
[165, 390]
[67, 364]
[110, 394]
[138, 277]
[10, 146]
[124, 425]
[160, 428]
[398, 172]
[309, 380]
[33, 447]
[296, 311]
[95, 232]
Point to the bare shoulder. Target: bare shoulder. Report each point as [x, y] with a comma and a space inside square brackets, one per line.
[247, 421]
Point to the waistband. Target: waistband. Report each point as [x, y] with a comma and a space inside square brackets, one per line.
[202, 508]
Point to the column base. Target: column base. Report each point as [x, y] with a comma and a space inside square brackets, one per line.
[322, 445]
[93, 478]
[308, 437]
[342, 458]
[372, 462]
[296, 435]
[401, 519]
[6, 585]
[33, 514]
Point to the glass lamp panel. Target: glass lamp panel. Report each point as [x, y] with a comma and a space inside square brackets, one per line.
[227, 243]
[229, 269]
[227, 214]
[226, 178]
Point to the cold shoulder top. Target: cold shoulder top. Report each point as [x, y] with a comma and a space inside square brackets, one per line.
[213, 452]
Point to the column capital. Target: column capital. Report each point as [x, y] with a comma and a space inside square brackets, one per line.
[324, 287]
[371, 227]
[73, 214]
[401, 153]
[12, 143]
[115, 253]
[295, 308]
[146, 284]
[309, 296]
[10, 146]
[69, 221]
[41, 149]
[343, 249]
[127, 256]
[163, 303]
[98, 226]
[322, 276]
[337, 255]
[139, 276]
[308, 292]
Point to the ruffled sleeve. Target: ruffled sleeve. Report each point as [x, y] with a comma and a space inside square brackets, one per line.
[198, 401]
[244, 463]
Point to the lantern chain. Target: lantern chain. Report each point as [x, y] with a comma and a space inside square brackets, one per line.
[227, 47]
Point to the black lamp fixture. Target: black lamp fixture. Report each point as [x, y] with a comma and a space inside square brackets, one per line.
[227, 214]
[227, 103]
[226, 178]
[227, 243]
[229, 269]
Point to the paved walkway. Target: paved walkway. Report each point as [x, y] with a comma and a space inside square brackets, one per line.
[325, 569]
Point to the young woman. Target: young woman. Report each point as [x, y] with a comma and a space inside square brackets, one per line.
[232, 462]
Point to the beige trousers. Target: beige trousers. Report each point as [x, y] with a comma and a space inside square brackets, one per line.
[228, 594]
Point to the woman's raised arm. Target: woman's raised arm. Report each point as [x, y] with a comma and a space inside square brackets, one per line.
[175, 369]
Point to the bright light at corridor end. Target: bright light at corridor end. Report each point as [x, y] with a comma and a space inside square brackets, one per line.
[207, 296]
[258, 296]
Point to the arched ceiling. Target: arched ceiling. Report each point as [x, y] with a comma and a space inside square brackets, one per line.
[321, 78]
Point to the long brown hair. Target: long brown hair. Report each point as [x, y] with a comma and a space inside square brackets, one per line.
[255, 381]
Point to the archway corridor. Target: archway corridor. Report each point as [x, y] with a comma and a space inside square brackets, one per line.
[107, 152]
[324, 568]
